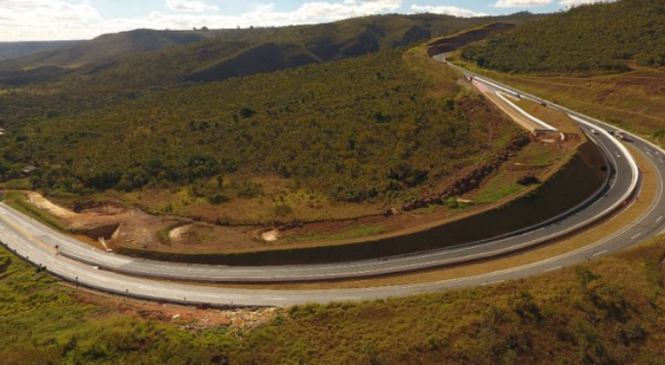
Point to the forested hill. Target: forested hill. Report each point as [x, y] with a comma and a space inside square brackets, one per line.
[354, 130]
[147, 58]
[598, 37]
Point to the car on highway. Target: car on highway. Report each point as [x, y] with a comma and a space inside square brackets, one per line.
[595, 131]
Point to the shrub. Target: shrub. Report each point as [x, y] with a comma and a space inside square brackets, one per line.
[218, 198]
[283, 210]
[248, 190]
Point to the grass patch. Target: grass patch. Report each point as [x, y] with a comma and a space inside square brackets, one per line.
[356, 232]
[17, 184]
[497, 188]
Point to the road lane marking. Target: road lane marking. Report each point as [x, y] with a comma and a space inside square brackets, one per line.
[618, 155]
[659, 218]
[599, 253]
[554, 269]
[635, 236]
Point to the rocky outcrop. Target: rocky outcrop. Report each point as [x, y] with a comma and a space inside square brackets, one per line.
[470, 180]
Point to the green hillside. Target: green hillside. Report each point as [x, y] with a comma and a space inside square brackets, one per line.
[599, 37]
[355, 129]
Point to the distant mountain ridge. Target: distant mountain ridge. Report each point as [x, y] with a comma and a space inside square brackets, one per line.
[22, 49]
[143, 58]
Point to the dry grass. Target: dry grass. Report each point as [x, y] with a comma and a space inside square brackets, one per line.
[306, 205]
[633, 100]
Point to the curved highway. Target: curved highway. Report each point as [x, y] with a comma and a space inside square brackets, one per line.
[93, 268]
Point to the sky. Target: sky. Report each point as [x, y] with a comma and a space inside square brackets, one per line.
[29, 20]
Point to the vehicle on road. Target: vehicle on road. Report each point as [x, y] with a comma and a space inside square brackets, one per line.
[595, 131]
[622, 136]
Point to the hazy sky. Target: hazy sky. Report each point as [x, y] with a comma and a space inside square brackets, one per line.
[22, 20]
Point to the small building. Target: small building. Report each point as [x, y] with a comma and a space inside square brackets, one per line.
[28, 169]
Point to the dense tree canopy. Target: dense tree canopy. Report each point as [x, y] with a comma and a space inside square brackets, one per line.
[599, 37]
[355, 129]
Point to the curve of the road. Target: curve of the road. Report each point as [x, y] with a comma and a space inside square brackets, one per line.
[36, 243]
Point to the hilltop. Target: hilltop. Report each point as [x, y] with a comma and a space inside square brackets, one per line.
[599, 37]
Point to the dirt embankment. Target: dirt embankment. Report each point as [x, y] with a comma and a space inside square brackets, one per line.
[453, 43]
[122, 226]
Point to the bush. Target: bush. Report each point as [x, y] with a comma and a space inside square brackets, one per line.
[283, 210]
[249, 190]
[218, 198]
[631, 333]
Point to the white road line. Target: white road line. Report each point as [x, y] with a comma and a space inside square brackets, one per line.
[554, 269]
[659, 218]
[599, 253]
[618, 155]
[635, 236]
[650, 155]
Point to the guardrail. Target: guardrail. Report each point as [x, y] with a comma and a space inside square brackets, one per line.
[127, 293]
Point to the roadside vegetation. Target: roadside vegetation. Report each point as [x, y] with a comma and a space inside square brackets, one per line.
[607, 311]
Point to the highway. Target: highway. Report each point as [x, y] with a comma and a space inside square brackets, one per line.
[82, 264]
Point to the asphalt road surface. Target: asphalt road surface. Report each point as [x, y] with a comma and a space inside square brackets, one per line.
[93, 268]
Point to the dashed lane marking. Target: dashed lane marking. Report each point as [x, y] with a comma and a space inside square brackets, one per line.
[599, 253]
